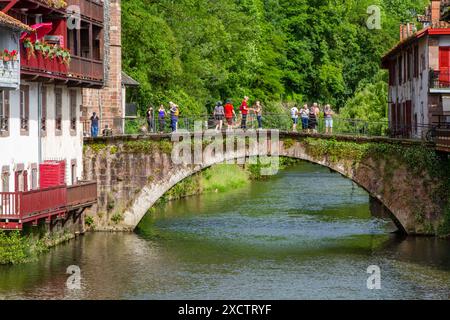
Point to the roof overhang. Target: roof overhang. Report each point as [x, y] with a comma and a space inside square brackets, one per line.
[415, 37]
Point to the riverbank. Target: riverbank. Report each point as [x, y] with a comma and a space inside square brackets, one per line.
[22, 247]
[219, 179]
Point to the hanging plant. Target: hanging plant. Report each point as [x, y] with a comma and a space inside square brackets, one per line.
[38, 46]
[66, 57]
[46, 50]
[28, 45]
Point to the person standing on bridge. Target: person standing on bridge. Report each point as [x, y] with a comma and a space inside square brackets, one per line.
[304, 114]
[313, 115]
[294, 116]
[149, 117]
[219, 114]
[162, 118]
[94, 125]
[328, 115]
[174, 113]
[257, 108]
[244, 112]
[229, 113]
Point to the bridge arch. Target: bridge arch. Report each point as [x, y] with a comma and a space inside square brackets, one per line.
[152, 192]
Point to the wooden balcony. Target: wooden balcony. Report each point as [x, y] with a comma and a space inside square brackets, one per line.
[19, 208]
[86, 69]
[81, 71]
[89, 9]
[81, 194]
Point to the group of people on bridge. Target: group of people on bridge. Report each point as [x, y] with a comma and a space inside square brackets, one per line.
[309, 117]
[226, 114]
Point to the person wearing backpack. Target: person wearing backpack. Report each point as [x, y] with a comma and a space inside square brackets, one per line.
[219, 114]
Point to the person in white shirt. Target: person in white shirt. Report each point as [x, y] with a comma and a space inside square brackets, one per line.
[294, 116]
[304, 113]
[328, 115]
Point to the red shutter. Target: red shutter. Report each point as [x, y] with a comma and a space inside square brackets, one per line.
[444, 65]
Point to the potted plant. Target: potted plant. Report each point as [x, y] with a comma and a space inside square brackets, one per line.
[6, 55]
[14, 55]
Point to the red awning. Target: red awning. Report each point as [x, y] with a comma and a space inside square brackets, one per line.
[42, 29]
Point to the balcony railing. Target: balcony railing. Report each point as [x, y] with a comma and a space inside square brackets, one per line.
[86, 69]
[82, 194]
[439, 79]
[37, 63]
[79, 68]
[17, 208]
[89, 9]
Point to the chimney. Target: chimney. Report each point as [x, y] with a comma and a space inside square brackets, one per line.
[435, 10]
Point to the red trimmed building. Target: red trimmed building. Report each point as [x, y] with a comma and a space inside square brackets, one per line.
[419, 74]
[60, 52]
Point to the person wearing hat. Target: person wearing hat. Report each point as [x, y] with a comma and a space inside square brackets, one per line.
[219, 114]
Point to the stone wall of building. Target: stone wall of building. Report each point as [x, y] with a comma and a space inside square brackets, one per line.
[107, 102]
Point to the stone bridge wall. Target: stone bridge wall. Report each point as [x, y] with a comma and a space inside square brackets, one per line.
[408, 178]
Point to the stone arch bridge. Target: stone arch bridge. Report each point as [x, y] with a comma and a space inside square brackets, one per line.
[408, 178]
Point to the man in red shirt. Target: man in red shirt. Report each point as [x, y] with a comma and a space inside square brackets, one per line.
[229, 113]
[244, 111]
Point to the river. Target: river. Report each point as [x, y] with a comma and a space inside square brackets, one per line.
[306, 233]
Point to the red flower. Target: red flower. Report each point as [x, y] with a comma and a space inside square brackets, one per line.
[6, 51]
[13, 53]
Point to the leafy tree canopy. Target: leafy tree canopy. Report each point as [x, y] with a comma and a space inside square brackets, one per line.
[196, 52]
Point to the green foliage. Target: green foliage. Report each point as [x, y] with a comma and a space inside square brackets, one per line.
[147, 146]
[117, 218]
[223, 177]
[16, 248]
[199, 51]
[13, 248]
[89, 221]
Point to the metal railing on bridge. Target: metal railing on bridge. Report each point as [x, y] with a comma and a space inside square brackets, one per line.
[128, 126]
[437, 132]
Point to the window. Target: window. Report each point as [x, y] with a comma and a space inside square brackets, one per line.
[5, 180]
[73, 110]
[416, 61]
[4, 111]
[24, 108]
[34, 178]
[44, 108]
[400, 70]
[58, 109]
[21, 183]
[73, 171]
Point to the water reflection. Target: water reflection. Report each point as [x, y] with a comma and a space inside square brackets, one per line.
[305, 234]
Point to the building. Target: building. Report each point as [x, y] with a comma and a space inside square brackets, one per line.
[60, 50]
[419, 75]
[110, 101]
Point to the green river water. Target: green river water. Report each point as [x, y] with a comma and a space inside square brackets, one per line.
[306, 233]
